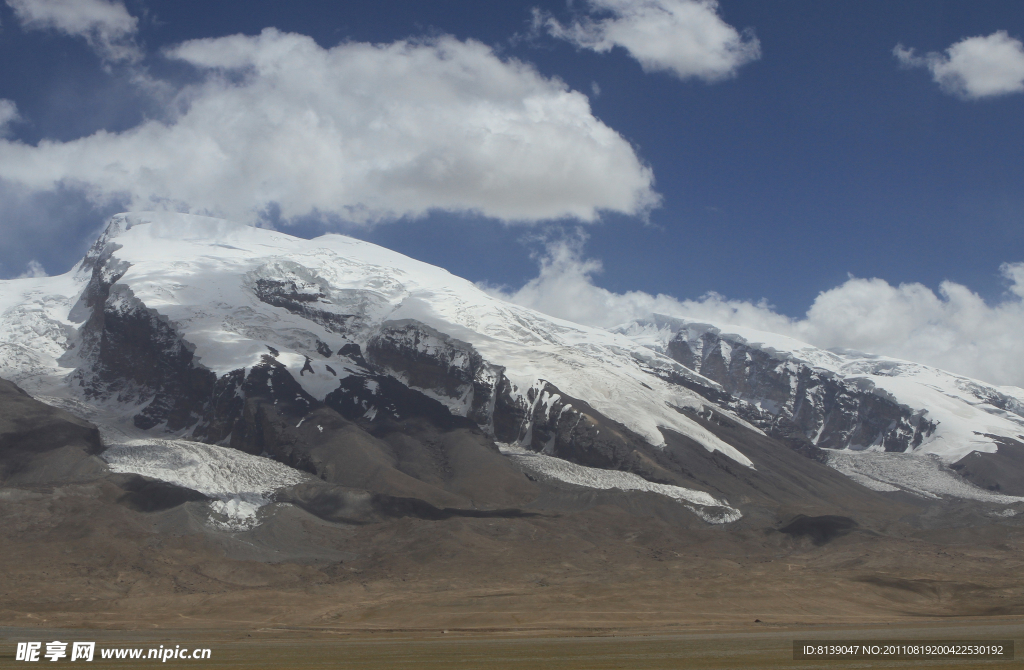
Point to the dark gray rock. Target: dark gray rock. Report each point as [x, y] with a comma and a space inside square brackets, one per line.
[442, 366]
[143, 494]
[827, 411]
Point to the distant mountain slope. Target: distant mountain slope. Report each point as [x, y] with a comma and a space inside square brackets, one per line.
[385, 376]
[849, 400]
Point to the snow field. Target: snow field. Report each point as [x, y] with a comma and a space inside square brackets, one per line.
[709, 508]
[963, 409]
[238, 482]
[921, 475]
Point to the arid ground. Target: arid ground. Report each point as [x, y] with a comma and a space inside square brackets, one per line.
[556, 576]
[590, 587]
[704, 647]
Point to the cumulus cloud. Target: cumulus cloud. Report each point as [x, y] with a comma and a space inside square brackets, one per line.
[952, 329]
[34, 269]
[685, 37]
[366, 132]
[8, 115]
[106, 26]
[564, 287]
[976, 67]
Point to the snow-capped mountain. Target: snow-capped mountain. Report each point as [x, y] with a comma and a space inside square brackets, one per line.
[844, 400]
[340, 359]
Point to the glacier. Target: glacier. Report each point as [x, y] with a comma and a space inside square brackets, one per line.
[220, 301]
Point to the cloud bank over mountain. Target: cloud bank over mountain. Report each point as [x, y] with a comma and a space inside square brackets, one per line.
[952, 328]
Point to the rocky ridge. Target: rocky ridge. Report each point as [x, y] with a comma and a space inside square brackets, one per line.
[375, 373]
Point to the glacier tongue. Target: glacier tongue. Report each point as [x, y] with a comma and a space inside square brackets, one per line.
[239, 483]
[924, 476]
[708, 507]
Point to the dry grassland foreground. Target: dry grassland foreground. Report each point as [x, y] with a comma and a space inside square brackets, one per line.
[697, 647]
[574, 578]
[505, 593]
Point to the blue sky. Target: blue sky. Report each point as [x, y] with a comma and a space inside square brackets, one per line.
[814, 155]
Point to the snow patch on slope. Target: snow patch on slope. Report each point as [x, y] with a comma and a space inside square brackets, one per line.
[239, 483]
[925, 476]
[710, 509]
[313, 375]
[35, 328]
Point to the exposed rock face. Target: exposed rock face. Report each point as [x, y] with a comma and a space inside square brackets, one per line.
[141, 352]
[302, 299]
[831, 413]
[132, 353]
[1002, 471]
[311, 357]
[301, 291]
[441, 367]
[380, 398]
[547, 421]
[223, 409]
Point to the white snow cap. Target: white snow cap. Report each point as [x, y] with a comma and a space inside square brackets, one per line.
[198, 272]
[970, 414]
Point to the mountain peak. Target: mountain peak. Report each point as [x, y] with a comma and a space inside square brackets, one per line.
[187, 328]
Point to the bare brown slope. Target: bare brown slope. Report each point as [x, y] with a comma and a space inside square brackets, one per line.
[121, 551]
[40, 444]
[73, 556]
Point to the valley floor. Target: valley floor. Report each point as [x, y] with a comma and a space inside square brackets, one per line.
[592, 586]
[680, 647]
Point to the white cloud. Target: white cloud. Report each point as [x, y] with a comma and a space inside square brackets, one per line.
[107, 26]
[366, 132]
[685, 37]
[976, 67]
[8, 115]
[34, 269]
[952, 329]
[565, 288]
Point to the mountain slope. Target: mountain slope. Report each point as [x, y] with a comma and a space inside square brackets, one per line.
[859, 403]
[383, 376]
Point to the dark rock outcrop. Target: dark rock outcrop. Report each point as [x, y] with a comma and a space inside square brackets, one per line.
[439, 365]
[1000, 472]
[286, 293]
[132, 353]
[339, 504]
[143, 494]
[827, 411]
